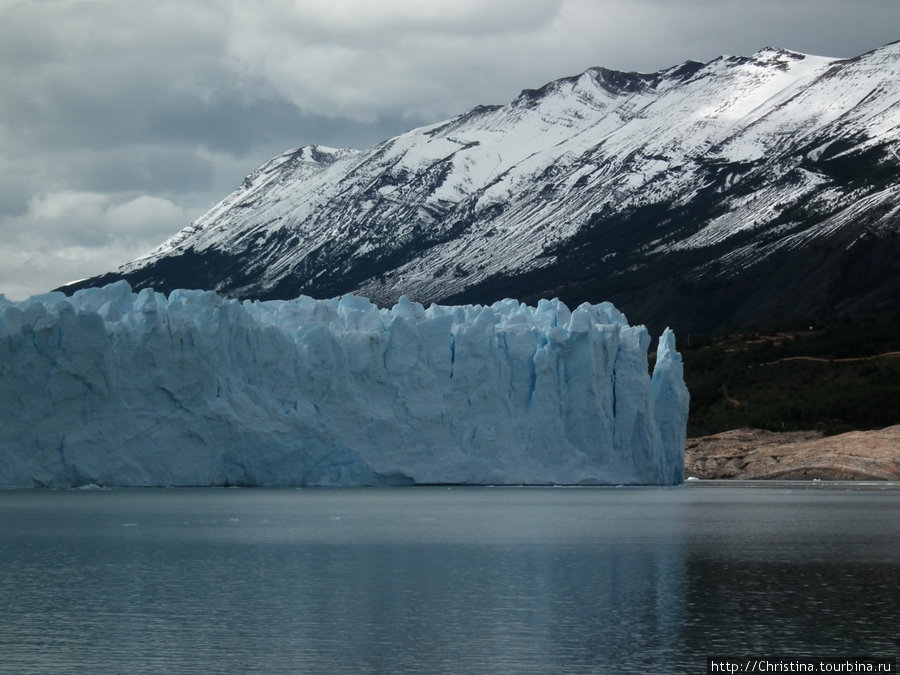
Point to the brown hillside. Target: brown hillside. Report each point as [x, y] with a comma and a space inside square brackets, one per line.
[796, 455]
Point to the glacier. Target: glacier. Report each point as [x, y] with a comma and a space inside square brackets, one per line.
[116, 388]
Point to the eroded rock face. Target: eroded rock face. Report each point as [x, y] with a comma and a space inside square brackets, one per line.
[760, 454]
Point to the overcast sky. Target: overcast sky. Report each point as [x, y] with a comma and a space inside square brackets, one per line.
[121, 121]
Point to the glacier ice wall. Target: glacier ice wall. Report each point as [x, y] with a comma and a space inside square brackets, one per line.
[116, 388]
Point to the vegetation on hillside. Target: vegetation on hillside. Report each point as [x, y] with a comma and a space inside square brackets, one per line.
[832, 378]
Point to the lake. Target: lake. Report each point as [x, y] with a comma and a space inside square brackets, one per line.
[446, 580]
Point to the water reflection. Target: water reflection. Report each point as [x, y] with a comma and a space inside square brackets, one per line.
[435, 580]
[815, 609]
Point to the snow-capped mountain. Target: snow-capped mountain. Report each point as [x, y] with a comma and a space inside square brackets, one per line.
[744, 189]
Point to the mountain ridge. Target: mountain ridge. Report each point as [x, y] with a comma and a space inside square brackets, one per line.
[688, 197]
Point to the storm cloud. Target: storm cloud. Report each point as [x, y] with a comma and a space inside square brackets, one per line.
[120, 122]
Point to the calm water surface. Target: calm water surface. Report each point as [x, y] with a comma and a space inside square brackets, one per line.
[503, 580]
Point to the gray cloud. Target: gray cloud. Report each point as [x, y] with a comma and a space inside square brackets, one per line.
[68, 235]
[121, 122]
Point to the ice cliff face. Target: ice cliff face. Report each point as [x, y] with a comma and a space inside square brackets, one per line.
[117, 388]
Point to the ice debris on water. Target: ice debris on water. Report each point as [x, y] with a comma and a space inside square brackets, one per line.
[111, 387]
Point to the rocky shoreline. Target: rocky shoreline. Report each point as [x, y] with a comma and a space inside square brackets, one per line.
[758, 454]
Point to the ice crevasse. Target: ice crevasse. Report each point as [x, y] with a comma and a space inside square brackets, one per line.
[112, 387]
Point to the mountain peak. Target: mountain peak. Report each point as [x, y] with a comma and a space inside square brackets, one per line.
[776, 56]
[623, 83]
